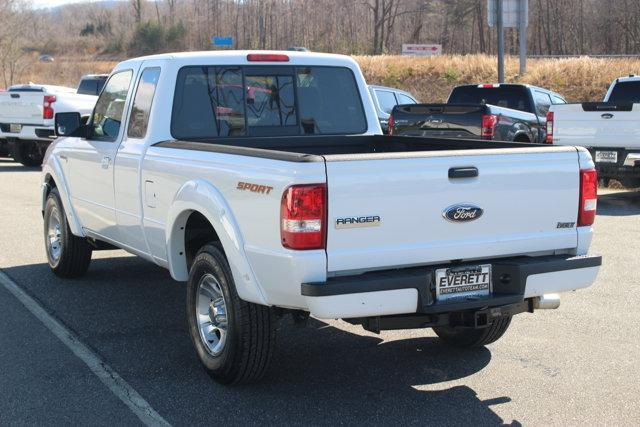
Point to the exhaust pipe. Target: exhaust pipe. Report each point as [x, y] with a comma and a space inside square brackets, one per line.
[546, 302]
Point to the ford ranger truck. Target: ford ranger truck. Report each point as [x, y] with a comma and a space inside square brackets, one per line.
[27, 114]
[262, 180]
[493, 112]
[610, 130]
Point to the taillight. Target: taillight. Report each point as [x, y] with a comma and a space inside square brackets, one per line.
[303, 217]
[47, 106]
[549, 138]
[390, 124]
[489, 123]
[588, 197]
[267, 57]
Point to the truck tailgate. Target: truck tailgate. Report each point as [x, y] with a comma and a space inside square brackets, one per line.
[596, 125]
[387, 211]
[21, 107]
[439, 120]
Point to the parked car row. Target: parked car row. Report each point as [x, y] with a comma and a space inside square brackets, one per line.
[27, 115]
[530, 114]
[262, 180]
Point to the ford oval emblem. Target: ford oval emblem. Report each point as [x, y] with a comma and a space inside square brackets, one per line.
[462, 212]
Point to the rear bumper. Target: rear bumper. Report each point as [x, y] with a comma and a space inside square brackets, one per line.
[412, 290]
[627, 166]
[29, 132]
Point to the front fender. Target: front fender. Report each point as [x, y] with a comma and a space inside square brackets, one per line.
[53, 169]
[200, 196]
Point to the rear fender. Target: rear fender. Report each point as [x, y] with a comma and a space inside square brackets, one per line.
[200, 196]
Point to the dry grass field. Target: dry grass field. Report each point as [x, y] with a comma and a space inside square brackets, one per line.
[431, 79]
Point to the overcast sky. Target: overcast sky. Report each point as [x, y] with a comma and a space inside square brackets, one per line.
[53, 3]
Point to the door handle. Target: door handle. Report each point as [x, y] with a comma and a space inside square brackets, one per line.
[465, 172]
[106, 161]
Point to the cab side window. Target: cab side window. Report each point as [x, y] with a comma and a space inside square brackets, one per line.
[404, 99]
[386, 100]
[107, 115]
[139, 118]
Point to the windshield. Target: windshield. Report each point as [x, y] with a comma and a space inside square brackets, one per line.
[515, 98]
[266, 101]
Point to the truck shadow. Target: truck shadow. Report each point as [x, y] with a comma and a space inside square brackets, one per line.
[9, 165]
[623, 203]
[132, 314]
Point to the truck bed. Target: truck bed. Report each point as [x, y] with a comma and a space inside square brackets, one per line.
[314, 148]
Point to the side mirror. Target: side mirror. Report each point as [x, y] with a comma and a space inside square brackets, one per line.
[70, 124]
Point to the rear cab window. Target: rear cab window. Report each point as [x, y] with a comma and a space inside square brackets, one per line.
[625, 93]
[235, 101]
[514, 97]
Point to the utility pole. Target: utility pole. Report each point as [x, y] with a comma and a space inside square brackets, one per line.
[522, 35]
[500, 25]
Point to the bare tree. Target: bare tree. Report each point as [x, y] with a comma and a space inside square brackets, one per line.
[137, 10]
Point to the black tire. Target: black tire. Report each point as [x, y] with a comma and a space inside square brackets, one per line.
[73, 256]
[250, 328]
[630, 182]
[29, 153]
[468, 337]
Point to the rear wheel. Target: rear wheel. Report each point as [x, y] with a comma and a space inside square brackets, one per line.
[29, 153]
[468, 337]
[233, 338]
[68, 255]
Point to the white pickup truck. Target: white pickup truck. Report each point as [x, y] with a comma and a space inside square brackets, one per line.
[27, 114]
[609, 129]
[263, 181]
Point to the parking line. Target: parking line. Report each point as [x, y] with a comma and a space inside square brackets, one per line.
[114, 382]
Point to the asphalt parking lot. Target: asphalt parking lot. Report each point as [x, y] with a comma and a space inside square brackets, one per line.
[571, 366]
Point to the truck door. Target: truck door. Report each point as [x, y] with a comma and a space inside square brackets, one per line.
[129, 190]
[91, 159]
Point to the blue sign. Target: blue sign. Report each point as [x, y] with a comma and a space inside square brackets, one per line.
[222, 41]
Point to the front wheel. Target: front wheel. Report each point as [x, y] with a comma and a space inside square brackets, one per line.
[233, 338]
[467, 337]
[68, 255]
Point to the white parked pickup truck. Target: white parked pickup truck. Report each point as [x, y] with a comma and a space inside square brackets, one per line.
[263, 181]
[609, 129]
[27, 114]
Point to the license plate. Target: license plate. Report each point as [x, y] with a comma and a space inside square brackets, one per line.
[15, 128]
[607, 156]
[463, 282]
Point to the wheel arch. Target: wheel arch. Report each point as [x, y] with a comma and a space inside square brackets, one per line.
[198, 201]
[54, 178]
[521, 137]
